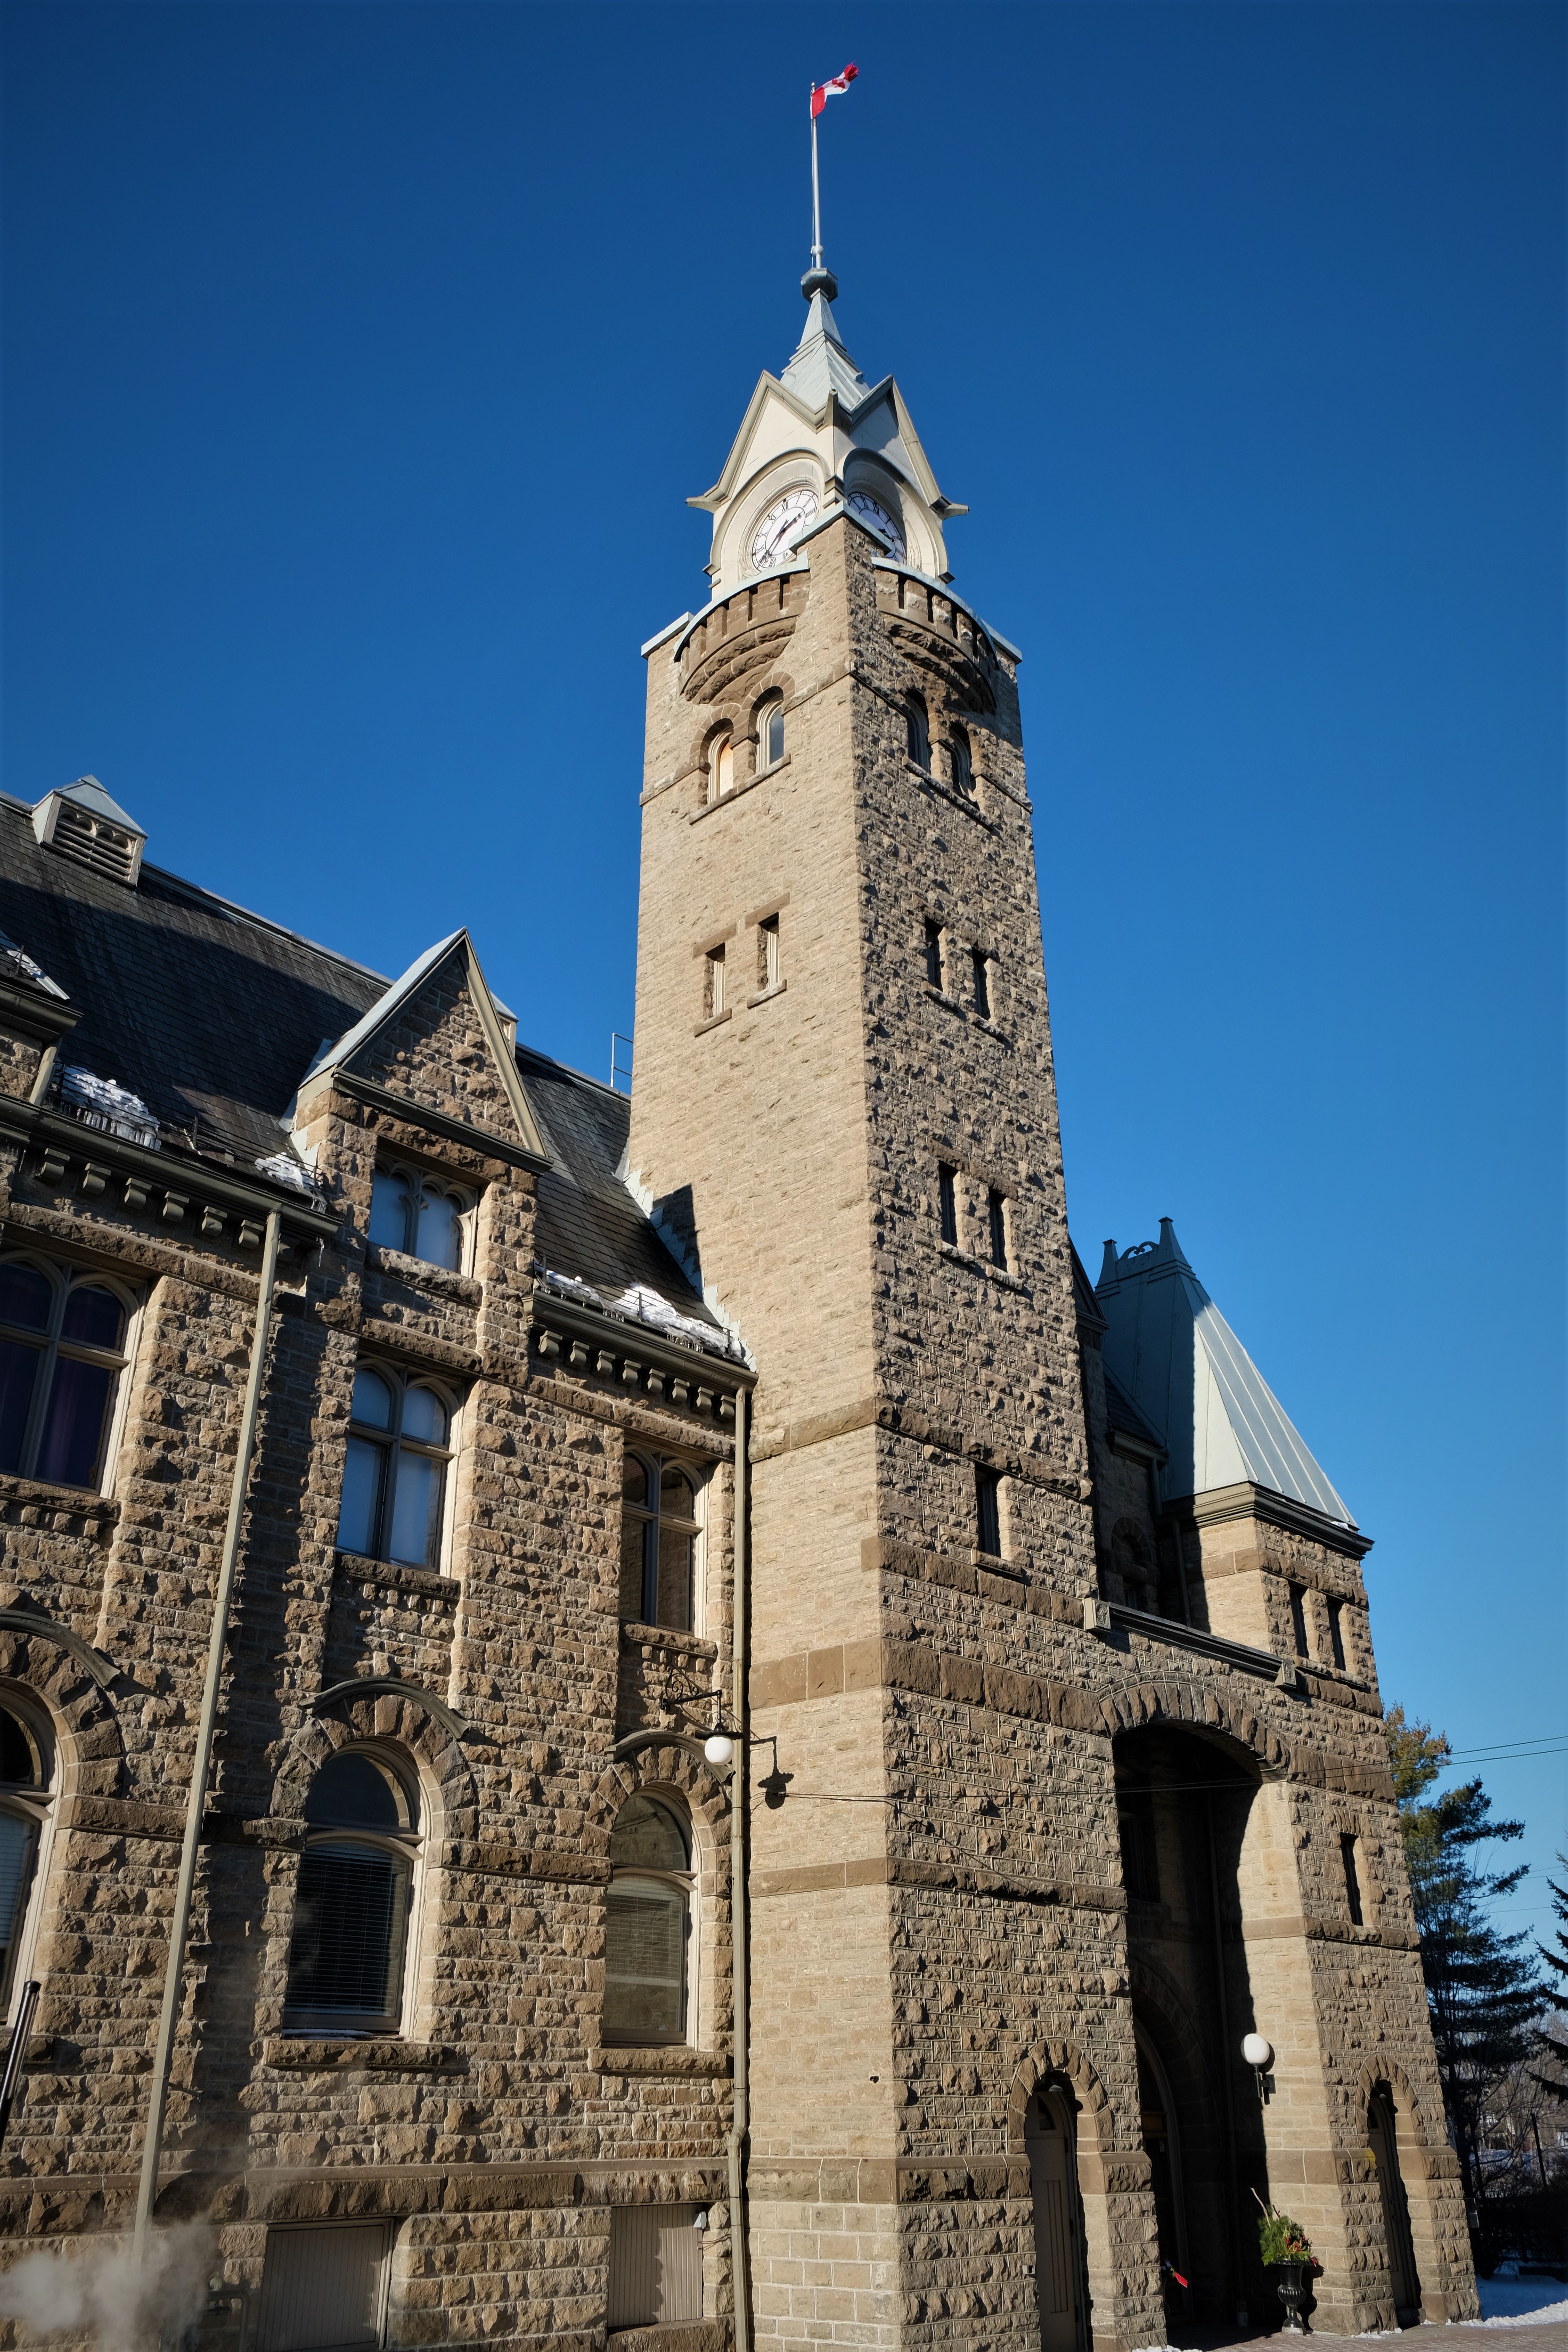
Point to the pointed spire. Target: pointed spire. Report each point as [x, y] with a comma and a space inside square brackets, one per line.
[821, 365]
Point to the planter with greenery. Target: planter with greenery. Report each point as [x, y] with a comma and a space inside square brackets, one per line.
[1285, 2248]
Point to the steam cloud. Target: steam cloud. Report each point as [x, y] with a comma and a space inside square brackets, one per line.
[103, 2292]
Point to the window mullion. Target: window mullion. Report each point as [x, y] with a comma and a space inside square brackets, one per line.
[37, 1409]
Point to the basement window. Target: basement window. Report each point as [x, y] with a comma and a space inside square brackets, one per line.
[324, 2286]
[655, 2266]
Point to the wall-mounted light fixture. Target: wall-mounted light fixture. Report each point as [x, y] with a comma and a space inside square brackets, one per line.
[1260, 2055]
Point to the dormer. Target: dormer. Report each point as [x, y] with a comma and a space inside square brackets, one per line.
[816, 439]
[81, 821]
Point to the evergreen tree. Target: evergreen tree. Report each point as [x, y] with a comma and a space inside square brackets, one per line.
[1550, 2045]
[1482, 1990]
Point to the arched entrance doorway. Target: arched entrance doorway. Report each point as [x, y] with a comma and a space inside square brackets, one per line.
[1380, 2138]
[1050, 2138]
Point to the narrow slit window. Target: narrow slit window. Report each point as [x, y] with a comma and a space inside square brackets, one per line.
[947, 1202]
[1299, 1619]
[962, 762]
[772, 734]
[1353, 1881]
[713, 989]
[722, 769]
[768, 952]
[1337, 1633]
[917, 732]
[996, 1213]
[988, 1511]
[933, 953]
[982, 983]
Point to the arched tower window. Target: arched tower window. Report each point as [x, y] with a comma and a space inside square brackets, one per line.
[721, 768]
[351, 1918]
[962, 761]
[659, 1528]
[647, 1927]
[419, 1215]
[770, 732]
[26, 1795]
[917, 731]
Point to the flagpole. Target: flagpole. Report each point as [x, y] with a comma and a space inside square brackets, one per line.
[815, 198]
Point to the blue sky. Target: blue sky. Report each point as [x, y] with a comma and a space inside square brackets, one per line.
[359, 361]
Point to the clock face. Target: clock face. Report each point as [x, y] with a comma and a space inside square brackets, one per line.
[775, 535]
[871, 511]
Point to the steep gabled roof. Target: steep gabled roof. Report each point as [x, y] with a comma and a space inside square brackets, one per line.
[1177, 1358]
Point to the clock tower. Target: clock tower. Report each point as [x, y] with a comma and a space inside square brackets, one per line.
[845, 1120]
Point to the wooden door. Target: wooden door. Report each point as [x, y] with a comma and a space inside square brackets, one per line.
[1384, 2146]
[1049, 2138]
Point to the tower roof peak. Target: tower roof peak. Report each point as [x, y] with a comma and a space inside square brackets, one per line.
[821, 364]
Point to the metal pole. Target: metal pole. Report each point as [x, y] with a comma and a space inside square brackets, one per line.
[816, 199]
[14, 2057]
[179, 1927]
[739, 1790]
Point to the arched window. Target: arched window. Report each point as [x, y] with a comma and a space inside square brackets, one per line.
[351, 1913]
[770, 732]
[721, 768]
[647, 1929]
[27, 1784]
[62, 1350]
[659, 1527]
[420, 1215]
[917, 731]
[394, 1477]
[962, 761]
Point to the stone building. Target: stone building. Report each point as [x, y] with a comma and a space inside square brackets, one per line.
[565, 1464]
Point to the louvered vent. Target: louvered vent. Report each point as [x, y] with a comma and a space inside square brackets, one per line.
[82, 822]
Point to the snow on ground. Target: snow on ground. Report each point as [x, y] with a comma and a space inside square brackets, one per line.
[1521, 2303]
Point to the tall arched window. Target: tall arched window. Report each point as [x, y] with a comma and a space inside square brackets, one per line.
[659, 1527]
[420, 1215]
[27, 1786]
[647, 1929]
[394, 1477]
[917, 731]
[962, 761]
[351, 1914]
[721, 768]
[770, 732]
[62, 1350]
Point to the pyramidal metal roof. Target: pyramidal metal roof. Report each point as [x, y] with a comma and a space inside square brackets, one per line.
[821, 365]
[1172, 1350]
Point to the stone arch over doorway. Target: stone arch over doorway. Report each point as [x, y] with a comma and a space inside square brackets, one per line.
[1427, 2186]
[1112, 2183]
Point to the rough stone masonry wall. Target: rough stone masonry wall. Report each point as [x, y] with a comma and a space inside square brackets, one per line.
[496, 2133]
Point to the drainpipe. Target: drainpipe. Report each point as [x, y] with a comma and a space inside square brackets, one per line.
[735, 2144]
[179, 1927]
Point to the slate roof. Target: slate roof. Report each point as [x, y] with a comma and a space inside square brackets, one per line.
[1169, 1346]
[206, 1012]
[820, 364]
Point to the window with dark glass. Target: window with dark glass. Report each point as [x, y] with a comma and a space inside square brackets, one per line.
[947, 1202]
[420, 1215]
[26, 1790]
[351, 1911]
[770, 732]
[1352, 1880]
[982, 983]
[917, 731]
[62, 1350]
[395, 1475]
[988, 1511]
[647, 1924]
[1299, 1619]
[996, 1214]
[659, 1528]
[1140, 1847]
[1337, 1633]
[962, 761]
[933, 951]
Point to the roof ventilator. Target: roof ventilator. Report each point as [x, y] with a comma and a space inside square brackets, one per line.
[82, 822]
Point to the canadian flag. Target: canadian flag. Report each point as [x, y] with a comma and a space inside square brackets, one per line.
[821, 92]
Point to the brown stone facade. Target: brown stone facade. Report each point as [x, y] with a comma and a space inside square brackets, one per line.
[943, 1926]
